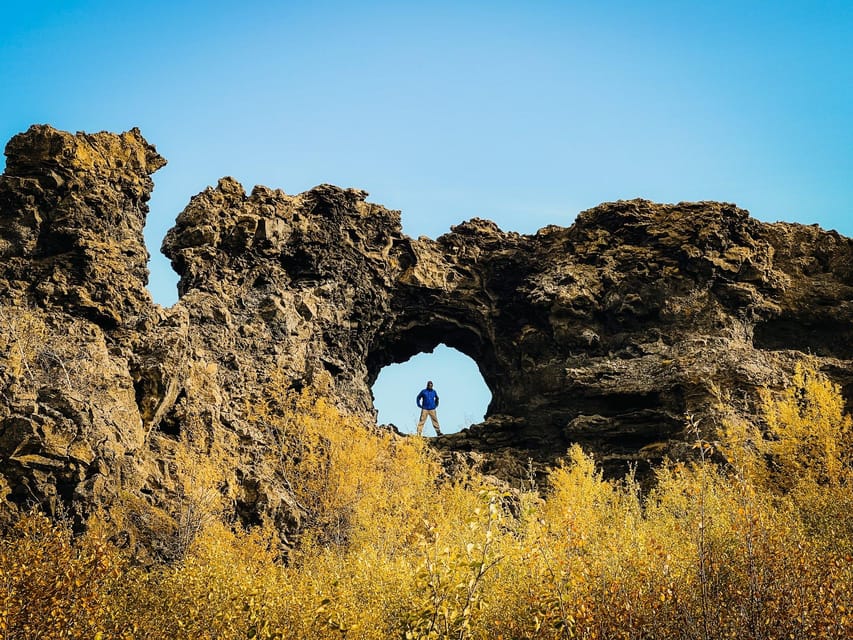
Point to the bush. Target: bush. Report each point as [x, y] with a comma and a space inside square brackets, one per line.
[756, 547]
[53, 586]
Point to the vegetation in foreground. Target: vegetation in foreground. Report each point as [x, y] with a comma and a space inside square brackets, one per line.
[757, 546]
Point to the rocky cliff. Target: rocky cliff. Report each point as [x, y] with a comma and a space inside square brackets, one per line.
[606, 333]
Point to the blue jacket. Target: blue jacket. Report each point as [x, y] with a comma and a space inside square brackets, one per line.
[427, 399]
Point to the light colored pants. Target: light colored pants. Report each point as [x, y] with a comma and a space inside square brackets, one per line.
[433, 418]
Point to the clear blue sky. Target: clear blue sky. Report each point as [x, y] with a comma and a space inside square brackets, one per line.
[522, 112]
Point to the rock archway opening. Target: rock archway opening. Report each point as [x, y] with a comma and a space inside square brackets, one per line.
[464, 395]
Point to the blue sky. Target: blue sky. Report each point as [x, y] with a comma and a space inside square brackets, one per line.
[522, 112]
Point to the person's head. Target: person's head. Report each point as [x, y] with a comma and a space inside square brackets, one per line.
[429, 384]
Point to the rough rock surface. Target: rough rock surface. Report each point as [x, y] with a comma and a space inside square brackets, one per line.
[606, 333]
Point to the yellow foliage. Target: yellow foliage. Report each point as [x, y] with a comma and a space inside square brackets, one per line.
[392, 548]
[30, 348]
[804, 455]
[349, 478]
[808, 434]
[200, 486]
[52, 586]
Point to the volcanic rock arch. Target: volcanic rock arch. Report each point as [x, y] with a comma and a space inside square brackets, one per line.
[423, 335]
[606, 332]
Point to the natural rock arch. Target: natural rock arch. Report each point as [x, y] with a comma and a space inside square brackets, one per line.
[604, 333]
[465, 396]
[422, 335]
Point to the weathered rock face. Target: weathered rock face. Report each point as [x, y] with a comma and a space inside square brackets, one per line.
[71, 231]
[605, 333]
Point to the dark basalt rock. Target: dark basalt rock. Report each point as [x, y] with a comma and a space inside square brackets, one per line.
[605, 333]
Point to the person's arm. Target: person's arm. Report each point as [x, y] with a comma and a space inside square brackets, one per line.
[436, 400]
[419, 400]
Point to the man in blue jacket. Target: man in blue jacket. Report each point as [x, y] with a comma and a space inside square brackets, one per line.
[427, 401]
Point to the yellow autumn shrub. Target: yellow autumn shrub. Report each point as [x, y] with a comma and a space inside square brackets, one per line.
[808, 434]
[754, 547]
[352, 480]
[51, 584]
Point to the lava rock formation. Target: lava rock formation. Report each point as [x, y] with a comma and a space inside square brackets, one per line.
[606, 333]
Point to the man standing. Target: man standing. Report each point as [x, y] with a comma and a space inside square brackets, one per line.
[427, 401]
